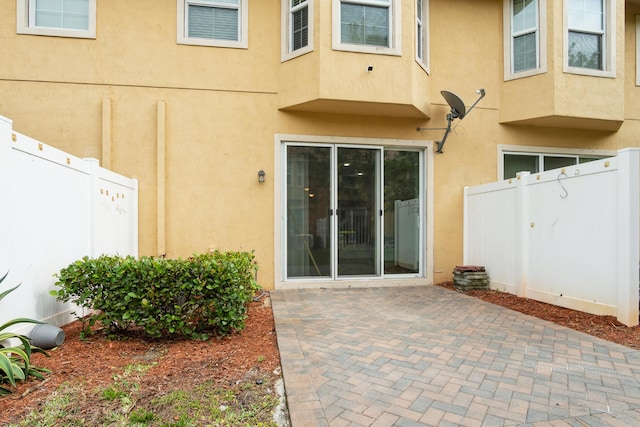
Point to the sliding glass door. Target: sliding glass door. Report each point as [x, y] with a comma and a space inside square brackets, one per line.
[352, 211]
[358, 219]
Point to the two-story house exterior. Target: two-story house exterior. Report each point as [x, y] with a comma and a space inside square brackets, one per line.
[290, 127]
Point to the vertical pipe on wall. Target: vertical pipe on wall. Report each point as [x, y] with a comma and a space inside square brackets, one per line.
[106, 132]
[160, 178]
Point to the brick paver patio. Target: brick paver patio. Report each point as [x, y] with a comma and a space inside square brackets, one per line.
[414, 356]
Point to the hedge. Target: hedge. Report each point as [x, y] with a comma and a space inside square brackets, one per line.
[202, 295]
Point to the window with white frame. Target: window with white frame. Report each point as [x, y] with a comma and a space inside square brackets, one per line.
[590, 37]
[515, 159]
[220, 23]
[422, 33]
[525, 38]
[63, 18]
[371, 26]
[524, 33]
[297, 28]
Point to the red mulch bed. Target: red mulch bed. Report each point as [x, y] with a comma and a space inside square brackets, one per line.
[180, 364]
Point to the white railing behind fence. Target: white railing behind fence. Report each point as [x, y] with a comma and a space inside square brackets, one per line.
[55, 208]
[569, 237]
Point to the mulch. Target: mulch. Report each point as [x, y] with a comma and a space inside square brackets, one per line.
[180, 364]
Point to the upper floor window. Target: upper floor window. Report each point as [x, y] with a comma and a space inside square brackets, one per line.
[525, 38]
[524, 32]
[64, 18]
[586, 33]
[589, 37]
[422, 33]
[371, 26]
[297, 37]
[213, 23]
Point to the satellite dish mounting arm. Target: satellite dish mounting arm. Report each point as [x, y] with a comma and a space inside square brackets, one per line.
[454, 114]
[458, 111]
[446, 133]
[482, 94]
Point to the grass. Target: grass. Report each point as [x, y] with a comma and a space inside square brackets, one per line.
[121, 403]
[59, 406]
[243, 405]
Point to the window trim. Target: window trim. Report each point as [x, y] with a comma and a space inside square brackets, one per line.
[608, 45]
[287, 31]
[395, 32]
[23, 27]
[541, 40]
[424, 61]
[546, 151]
[182, 38]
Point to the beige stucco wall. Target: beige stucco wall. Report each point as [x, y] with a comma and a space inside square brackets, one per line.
[564, 99]
[462, 63]
[221, 108]
[335, 81]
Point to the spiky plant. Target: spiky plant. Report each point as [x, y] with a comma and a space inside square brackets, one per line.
[15, 361]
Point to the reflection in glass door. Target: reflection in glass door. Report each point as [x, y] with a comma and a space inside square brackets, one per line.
[401, 212]
[308, 211]
[353, 212]
[358, 211]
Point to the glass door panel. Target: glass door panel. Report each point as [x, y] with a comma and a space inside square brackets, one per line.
[308, 212]
[358, 218]
[401, 212]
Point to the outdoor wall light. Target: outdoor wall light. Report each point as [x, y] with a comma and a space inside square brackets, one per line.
[261, 175]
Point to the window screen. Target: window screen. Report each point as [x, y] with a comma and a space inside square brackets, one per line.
[299, 24]
[67, 14]
[586, 33]
[524, 33]
[365, 24]
[214, 22]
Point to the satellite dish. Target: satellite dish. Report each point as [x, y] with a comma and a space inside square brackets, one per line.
[458, 111]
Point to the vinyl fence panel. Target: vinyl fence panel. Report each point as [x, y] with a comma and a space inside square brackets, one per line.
[492, 237]
[573, 237]
[56, 208]
[569, 237]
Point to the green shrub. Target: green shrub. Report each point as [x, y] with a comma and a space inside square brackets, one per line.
[15, 361]
[193, 298]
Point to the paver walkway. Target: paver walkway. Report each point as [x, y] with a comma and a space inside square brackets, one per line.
[410, 356]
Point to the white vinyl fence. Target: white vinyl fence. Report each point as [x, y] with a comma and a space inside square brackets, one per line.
[54, 209]
[568, 237]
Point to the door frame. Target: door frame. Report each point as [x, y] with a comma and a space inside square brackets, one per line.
[426, 278]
